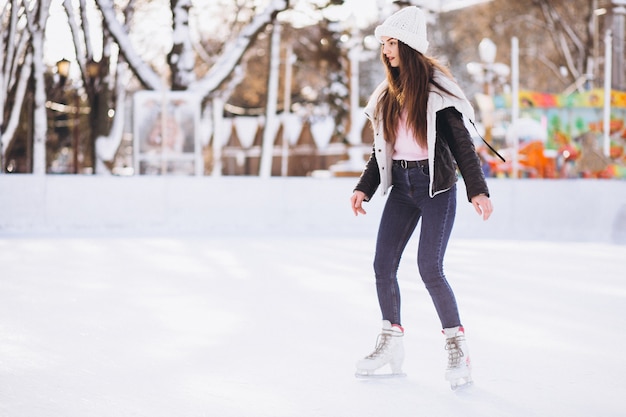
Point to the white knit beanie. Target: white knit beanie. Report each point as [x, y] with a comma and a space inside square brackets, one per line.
[407, 25]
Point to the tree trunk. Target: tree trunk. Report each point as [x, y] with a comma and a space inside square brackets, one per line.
[36, 25]
[181, 58]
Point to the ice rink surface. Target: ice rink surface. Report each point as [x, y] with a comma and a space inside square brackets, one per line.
[271, 326]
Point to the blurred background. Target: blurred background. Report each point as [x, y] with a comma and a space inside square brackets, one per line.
[276, 87]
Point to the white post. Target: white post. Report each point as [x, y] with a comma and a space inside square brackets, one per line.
[267, 152]
[515, 100]
[163, 129]
[354, 56]
[619, 13]
[284, 169]
[608, 62]
[218, 126]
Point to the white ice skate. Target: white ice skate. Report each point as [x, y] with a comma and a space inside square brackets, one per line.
[459, 370]
[389, 351]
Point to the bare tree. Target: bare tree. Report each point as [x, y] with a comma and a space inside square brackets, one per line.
[22, 60]
[555, 37]
[36, 21]
[17, 57]
[566, 34]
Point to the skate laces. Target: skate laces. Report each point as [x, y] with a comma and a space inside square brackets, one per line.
[382, 343]
[455, 353]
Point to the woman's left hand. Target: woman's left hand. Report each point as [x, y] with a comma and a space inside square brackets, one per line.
[482, 205]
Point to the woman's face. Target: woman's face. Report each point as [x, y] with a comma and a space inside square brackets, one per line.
[390, 50]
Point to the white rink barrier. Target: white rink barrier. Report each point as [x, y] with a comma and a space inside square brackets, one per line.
[526, 209]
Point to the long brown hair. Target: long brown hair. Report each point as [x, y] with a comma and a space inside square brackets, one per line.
[408, 89]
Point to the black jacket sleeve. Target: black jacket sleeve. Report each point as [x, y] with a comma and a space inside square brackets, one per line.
[370, 177]
[451, 127]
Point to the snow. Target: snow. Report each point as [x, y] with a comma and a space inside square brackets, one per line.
[168, 323]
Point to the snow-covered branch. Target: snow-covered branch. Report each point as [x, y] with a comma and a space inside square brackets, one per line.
[234, 51]
[559, 30]
[20, 93]
[86, 29]
[140, 68]
[75, 30]
[106, 146]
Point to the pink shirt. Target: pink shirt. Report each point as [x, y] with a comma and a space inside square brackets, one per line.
[406, 146]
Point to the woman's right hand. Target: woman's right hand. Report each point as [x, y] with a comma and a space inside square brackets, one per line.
[357, 202]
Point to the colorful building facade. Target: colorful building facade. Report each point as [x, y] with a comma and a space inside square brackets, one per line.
[575, 131]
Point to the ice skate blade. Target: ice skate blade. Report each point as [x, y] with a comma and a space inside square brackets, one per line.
[461, 384]
[367, 375]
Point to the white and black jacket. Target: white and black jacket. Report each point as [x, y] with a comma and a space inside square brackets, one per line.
[449, 144]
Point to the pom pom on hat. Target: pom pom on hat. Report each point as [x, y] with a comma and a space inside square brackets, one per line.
[407, 25]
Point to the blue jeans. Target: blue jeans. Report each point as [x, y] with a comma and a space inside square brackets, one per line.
[409, 201]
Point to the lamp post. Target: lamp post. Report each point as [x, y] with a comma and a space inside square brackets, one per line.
[606, 119]
[63, 69]
[93, 69]
[96, 109]
[290, 59]
[97, 121]
[489, 73]
[515, 100]
[271, 120]
[487, 53]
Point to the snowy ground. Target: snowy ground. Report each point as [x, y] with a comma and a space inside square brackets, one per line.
[270, 326]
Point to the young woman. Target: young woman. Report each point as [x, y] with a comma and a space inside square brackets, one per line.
[420, 139]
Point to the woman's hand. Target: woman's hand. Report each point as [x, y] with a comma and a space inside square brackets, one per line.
[357, 200]
[482, 205]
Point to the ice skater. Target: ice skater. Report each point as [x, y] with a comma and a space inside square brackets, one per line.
[419, 140]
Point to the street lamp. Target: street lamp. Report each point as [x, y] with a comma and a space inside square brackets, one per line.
[96, 121]
[63, 69]
[488, 72]
[487, 51]
[93, 69]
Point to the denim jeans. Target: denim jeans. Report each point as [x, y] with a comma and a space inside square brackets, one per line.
[409, 201]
